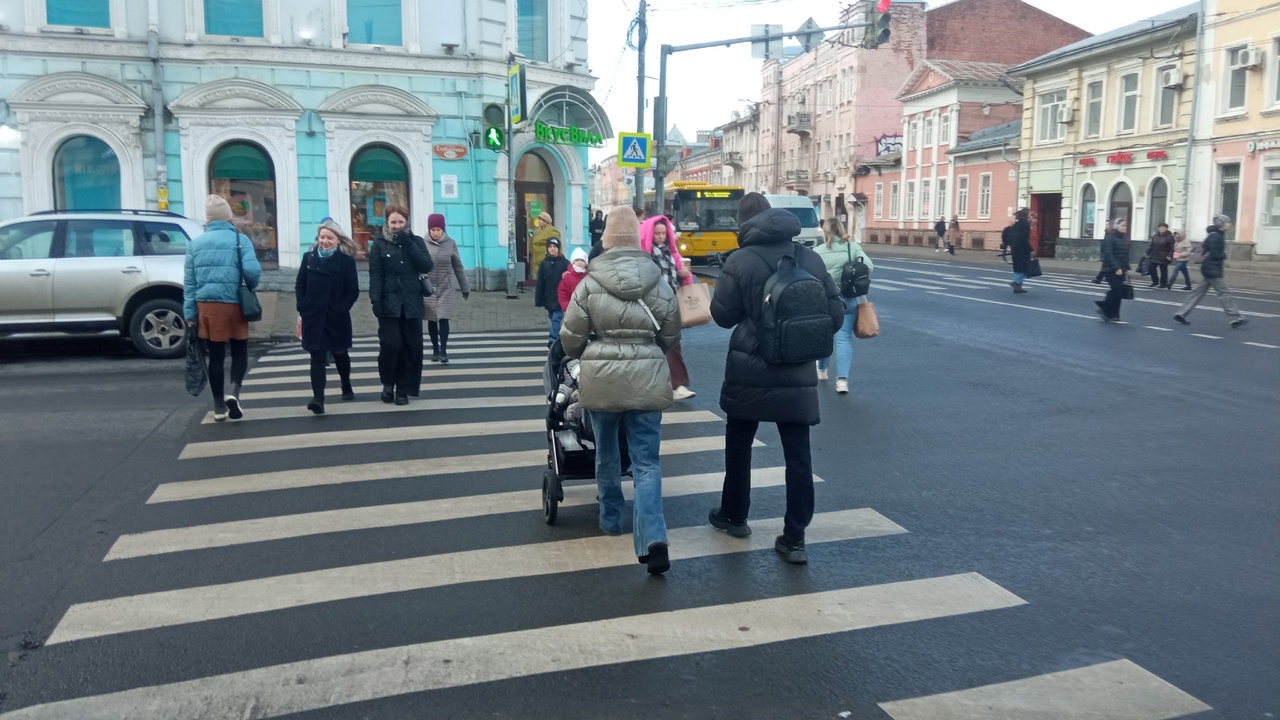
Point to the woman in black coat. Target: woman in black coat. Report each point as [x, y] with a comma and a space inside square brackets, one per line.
[1115, 267]
[396, 260]
[327, 288]
[1020, 248]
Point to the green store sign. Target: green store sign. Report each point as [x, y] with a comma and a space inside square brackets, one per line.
[554, 135]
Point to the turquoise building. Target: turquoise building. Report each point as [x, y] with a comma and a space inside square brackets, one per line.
[300, 110]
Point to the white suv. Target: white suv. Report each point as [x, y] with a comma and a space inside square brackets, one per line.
[89, 272]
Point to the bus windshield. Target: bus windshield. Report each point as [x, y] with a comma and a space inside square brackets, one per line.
[807, 216]
[707, 210]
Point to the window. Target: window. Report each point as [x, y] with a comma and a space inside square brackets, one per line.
[911, 136]
[1157, 205]
[80, 13]
[925, 196]
[1237, 78]
[1275, 73]
[984, 195]
[1093, 110]
[99, 238]
[159, 238]
[243, 174]
[1088, 210]
[1128, 103]
[893, 201]
[944, 128]
[962, 196]
[532, 28]
[238, 18]
[928, 131]
[86, 175]
[1229, 191]
[379, 177]
[27, 241]
[911, 199]
[1051, 106]
[1121, 205]
[879, 200]
[372, 22]
[1167, 99]
[943, 198]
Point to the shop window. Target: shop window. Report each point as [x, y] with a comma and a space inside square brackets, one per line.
[1121, 205]
[532, 24]
[80, 13]
[86, 175]
[1088, 211]
[374, 22]
[243, 174]
[237, 18]
[1158, 205]
[379, 177]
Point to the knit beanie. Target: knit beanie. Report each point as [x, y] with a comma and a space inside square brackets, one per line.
[751, 205]
[216, 208]
[1221, 220]
[621, 229]
[578, 254]
[435, 220]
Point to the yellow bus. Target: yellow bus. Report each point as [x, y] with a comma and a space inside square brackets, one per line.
[705, 215]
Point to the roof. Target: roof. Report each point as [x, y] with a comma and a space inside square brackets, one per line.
[989, 137]
[1156, 23]
[887, 159]
[952, 72]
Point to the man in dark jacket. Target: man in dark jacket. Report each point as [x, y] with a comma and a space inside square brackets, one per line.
[1115, 266]
[755, 391]
[1215, 252]
[547, 293]
[1020, 247]
[940, 229]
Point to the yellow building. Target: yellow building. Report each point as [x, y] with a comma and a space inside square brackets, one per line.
[1104, 133]
[1235, 165]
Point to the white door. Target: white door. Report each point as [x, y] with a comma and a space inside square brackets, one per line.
[26, 273]
[1269, 226]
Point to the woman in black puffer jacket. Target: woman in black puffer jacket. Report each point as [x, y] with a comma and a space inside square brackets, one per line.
[326, 289]
[396, 260]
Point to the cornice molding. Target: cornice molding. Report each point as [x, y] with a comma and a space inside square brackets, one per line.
[42, 93]
[201, 99]
[351, 100]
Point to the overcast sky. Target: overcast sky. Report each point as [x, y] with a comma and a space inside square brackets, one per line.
[704, 86]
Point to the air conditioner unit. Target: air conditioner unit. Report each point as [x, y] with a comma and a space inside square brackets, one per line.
[1251, 58]
[1171, 78]
[1064, 116]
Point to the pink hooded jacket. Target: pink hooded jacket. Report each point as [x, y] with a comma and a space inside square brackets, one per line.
[646, 243]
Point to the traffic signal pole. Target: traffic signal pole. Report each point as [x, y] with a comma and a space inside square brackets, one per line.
[644, 39]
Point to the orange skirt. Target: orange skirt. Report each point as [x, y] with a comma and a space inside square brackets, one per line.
[220, 322]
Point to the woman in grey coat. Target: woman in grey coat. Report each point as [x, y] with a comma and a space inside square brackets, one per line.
[447, 266]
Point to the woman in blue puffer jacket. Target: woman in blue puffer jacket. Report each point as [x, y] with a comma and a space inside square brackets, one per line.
[211, 301]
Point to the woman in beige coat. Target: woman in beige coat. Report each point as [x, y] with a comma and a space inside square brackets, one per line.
[630, 308]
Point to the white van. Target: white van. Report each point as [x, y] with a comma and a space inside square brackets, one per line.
[802, 207]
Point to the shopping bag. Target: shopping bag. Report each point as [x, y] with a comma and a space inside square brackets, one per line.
[1126, 292]
[1033, 268]
[1144, 267]
[867, 325]
[695, 304]
[197, 375]
[298, 328]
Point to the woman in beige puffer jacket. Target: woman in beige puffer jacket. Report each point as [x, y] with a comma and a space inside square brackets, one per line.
[624, 380]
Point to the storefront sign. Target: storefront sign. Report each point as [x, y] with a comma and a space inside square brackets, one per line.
[1088, 162]
[1120, 158]
[1257, 145]
[1158, 155]
[554, 135]
[450, 152]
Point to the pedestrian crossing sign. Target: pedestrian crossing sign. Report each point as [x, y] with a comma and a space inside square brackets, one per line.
[634, 149]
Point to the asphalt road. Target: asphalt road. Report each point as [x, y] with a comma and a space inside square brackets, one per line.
[1021, 508]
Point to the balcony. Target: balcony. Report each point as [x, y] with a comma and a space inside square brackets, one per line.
[797, 179]
[800, 124]
[733, 159]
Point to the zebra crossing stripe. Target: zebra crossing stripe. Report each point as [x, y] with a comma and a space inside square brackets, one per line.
[274, 443]
[253, 414]
[338, 680]
[376, 389]
[241, 532]
[538, 359]
[1116, 689]
[391, 470]
[213, 602]
[461, 352]
[428, 376]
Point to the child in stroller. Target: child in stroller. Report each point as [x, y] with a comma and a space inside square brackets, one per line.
[572, 452]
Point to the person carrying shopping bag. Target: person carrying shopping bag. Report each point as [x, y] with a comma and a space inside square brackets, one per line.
[657, 238]
[835, 254]
[327, 288]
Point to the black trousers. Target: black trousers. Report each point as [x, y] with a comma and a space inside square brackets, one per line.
[218, 362]
[400, 354]
[1159, 274]
[439, 331]
[320, 366]
[1111, 304]
[735, 500]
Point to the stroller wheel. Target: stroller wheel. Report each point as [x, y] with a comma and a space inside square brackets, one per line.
[550, 496]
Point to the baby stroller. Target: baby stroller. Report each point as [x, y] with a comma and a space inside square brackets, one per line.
[572, 452]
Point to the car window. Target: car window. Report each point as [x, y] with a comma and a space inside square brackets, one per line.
[163, 239]
[27, 241]
[99, 238]
[807, 216]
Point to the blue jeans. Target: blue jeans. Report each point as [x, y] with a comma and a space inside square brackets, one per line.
[644, 438]
[1019, 277]
[1180, 267]
[556, 317]
[844, 341]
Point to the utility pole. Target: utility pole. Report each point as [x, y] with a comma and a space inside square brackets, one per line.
[643, 27]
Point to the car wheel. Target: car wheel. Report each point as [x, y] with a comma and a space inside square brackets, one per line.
[158, 329]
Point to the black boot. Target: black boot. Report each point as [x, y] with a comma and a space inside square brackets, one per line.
[316, 405]
[347, 393]
[388, 393]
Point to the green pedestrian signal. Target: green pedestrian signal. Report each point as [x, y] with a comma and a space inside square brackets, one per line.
[494, 138]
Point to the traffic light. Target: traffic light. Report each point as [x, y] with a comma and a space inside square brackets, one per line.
[495, 134]
[878, 18]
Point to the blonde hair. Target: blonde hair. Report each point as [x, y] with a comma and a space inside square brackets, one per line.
[345, 242]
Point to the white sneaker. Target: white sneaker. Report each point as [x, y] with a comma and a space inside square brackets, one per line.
[937, 249]
[842, 386]
[822, 374]
[682, 393]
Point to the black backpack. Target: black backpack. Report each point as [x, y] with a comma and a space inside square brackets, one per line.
[795, 325]
[855, 276]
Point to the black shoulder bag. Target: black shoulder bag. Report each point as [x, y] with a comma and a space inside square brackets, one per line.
[250, 307]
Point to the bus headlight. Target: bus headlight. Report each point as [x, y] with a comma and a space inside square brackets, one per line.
[684, 248]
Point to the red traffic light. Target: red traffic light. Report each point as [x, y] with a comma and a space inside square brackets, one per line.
[883, 5]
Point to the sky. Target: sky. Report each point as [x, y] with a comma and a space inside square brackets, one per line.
[705, 86]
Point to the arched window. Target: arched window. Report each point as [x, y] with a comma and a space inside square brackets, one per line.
[379, 177]
[532, 168]
[243, 173]
[86, 175]
[1088, 210]
[1121, 205]
[1157, 205]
